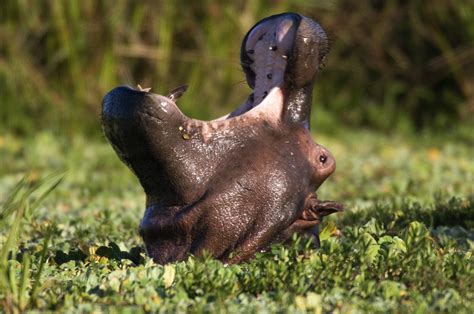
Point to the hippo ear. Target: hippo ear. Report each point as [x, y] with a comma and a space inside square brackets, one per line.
[177, 92]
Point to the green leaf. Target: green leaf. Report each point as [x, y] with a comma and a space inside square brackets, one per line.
[168, 275]
[328, 230]
[370, 246]
[416, 234]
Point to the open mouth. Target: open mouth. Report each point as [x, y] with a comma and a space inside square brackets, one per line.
[280, 57]
[265, 52]
[264, 57]
[284, 51]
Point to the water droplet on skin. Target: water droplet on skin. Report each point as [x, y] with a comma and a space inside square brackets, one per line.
[180, 128]
[163, 106]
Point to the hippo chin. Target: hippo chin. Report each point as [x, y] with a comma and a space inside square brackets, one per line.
[233, 185]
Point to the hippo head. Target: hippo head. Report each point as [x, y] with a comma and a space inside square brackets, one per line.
[233, 185]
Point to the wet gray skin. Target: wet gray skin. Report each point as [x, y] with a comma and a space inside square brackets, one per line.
[233, 185]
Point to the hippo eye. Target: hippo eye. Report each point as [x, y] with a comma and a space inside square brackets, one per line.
[323, 159]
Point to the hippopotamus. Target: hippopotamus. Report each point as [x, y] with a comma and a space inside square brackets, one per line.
[234, 185]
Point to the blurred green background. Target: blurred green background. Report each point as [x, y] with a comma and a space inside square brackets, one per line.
[394, 65]
[394, 105]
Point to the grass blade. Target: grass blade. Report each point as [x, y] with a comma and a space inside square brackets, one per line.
[12, 235]
[41, 198]
[25, 279]
[10, 203]
[34, 290]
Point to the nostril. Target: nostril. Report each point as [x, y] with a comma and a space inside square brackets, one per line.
[323, 158]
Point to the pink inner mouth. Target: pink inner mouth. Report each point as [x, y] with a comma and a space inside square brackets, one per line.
[268, 46]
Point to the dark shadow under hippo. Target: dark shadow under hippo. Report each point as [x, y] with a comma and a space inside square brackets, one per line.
[233, 185]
